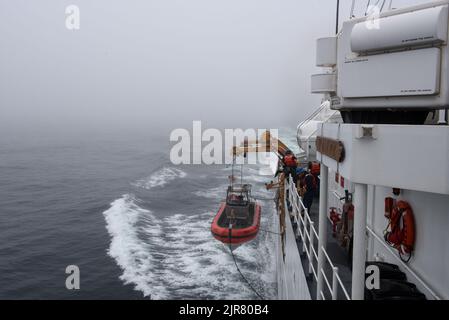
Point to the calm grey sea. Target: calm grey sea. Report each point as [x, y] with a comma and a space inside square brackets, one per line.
[136, 225]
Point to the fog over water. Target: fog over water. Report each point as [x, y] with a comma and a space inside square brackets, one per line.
[159, 64]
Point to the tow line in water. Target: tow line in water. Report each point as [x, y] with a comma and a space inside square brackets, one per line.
[238, 269]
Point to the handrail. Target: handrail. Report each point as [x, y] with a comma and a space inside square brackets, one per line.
[315, 253]
[338, 277]
[322, 295]
[325, 120]
[312, 115]
[307, 120]
[325, 280]
[305, 235]
[335, 193]
[307, 140]
[310, 235]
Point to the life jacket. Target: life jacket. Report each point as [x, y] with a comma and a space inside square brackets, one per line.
[400, 232]
[314, 182]
[290, 160]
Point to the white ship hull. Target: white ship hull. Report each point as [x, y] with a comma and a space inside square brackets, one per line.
[292, 284]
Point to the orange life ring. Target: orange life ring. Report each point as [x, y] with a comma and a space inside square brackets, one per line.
[400, 231]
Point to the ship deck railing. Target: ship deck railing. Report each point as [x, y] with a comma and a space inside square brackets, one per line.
[307, 140]
[309, 236]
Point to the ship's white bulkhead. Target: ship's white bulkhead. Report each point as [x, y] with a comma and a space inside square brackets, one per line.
[396, 61]
[415, 159]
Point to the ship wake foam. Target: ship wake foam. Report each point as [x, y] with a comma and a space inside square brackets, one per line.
[160, 178]
[176, 257]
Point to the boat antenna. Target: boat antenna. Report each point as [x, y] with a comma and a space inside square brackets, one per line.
[337, 16]
[232, 172]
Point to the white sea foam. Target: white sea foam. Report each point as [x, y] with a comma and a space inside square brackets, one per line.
[177, 257]
[212, 193]
[160, 178]
[125, 220]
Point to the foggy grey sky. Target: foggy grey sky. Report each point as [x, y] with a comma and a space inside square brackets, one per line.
[160, 63]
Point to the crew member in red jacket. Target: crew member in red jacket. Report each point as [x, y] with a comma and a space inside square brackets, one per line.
[290, 164]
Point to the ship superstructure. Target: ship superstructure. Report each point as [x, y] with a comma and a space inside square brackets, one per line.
[382, 140]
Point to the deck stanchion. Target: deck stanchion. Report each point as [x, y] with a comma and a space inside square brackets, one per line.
[311, 240]
[442, 116]
[304, 232]
[322, 226]
[359, 242]
[334, 283]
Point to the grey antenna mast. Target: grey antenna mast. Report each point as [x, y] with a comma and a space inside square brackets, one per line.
[367, 6]
[351, 15]
[337, 17]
